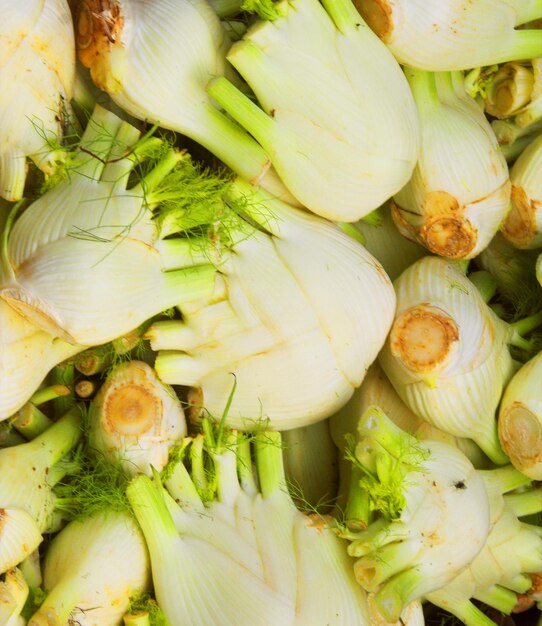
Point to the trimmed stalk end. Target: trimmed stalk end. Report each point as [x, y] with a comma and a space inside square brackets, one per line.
[520, 432]
[520, 225]
[423, 337]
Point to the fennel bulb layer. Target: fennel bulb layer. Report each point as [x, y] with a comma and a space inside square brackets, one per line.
[37, 69]
[296, 356]
[304, 66]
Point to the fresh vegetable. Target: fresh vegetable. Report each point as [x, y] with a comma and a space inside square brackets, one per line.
[373, 144]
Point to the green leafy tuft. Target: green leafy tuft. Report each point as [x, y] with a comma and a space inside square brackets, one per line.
[145, 603]
[265, 9]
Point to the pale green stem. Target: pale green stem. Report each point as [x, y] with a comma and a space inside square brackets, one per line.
[526, 325]
[385, 562]
[63, 374]
[57, 440]
[119, 161]
[151, 181]
[485, 283]
[31, 570]
[358, 511]
[239, 106]
[526, 503]
[513, 150]
[344, 15]
[59, 603]
[181, 488]
[520, 583]
[489, 442]
[395, 594]
[498, 597]
[504, 479]
[171, 335]
[181, 252]
[378, 533]
[30, 421]
[198, 473]
[467, 612]
[524, 44]
[424, 90]
[97, 142]
[7, 275]
[269, 462]
[352, 231]
[45, 394]
[94, 360]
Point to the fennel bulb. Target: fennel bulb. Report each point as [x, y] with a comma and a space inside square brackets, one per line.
[454, 35]
[523, 224]
[459, 192]
[298, 354]
[434, 514]
[520, 419]
[27, 353]
[27, 479]
[81, 259]
[155, 59]
[237, 518]
[37, 67]
[512, 550]
[134, 419]
[306, 66]
[91, 569]
[447, 355]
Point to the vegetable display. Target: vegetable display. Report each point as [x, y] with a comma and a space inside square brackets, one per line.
[270, 312]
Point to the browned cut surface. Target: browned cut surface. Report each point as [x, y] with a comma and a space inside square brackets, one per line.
[132, 410]
[378, 15]
[422, 337]
[453, 237]
[99, 28]
[520, 432]
[520, 224]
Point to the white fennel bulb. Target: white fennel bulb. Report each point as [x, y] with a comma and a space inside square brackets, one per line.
[27, 353]
[135, 418]
[303, 310]
[512, 551]
[81, 261]
[155, 59]
[91, 570]
[459, 192]
[447, 355]
[434, 514]
[304, 66]
[523, 224]
[455, 35]
[37, 68]
[520, 419]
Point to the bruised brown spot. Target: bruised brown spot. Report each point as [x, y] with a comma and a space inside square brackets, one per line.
[378, 15]
[520, 224]
[422, 337]
[524, 602]
[99, 29]
[520, 432]
[132, 410]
